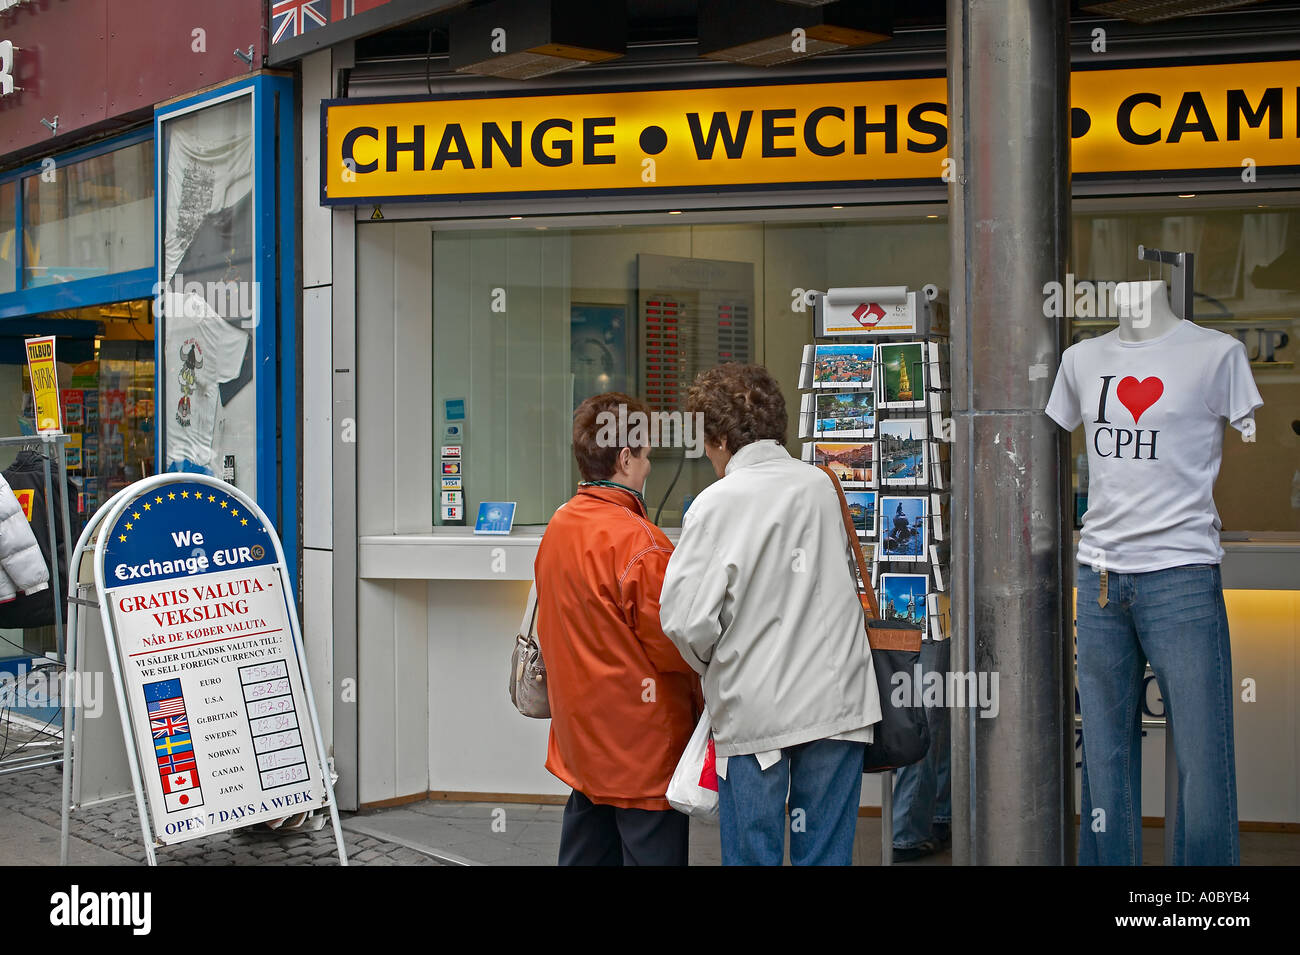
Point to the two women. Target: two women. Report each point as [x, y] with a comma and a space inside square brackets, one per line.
[758, 599]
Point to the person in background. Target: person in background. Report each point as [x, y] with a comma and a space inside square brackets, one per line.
[760, 599]
[623, 701]
[923, 790]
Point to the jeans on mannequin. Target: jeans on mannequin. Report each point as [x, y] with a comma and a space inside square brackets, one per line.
[1176, 619]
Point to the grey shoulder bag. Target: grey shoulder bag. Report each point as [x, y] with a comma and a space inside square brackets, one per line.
[528, 672]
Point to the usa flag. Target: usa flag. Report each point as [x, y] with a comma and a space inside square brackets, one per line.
[169, 725]
[291, 18]
[173, 707]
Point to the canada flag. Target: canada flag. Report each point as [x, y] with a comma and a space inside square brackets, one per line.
[176, 782]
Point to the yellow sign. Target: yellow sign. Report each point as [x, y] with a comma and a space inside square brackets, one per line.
[45, 385]
[1222, 116]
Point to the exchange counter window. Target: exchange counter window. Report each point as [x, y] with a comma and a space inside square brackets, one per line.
[562, 314]
[1247, 284]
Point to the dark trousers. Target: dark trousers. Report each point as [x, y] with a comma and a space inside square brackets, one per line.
[593, 834]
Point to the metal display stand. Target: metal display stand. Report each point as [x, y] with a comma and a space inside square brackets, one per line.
[55, 448]
[929, 375]
[87, 558]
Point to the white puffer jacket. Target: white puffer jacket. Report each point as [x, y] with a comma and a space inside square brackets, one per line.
[22, 567]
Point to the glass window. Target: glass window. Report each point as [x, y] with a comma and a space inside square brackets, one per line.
[89, 218]
[8, 237]
[561, 314]
[1247, 284]
[209, 408]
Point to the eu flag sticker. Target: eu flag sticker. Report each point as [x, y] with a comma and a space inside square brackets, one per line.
[495, 517]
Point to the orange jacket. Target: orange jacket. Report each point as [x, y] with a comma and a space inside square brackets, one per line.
[623, 701]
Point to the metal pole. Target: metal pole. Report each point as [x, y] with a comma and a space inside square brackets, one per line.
[1008, 78]
[55, 589]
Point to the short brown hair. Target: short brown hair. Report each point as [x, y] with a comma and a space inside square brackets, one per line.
[741, 403]
[597, 461]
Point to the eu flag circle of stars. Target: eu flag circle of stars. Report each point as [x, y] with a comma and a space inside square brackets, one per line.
[140, 511]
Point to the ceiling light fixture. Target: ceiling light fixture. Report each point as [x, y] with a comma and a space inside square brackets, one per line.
[522, 39]
[1153, 11]
[769, 32]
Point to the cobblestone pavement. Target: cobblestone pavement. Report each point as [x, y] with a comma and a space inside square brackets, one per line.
[109, 834]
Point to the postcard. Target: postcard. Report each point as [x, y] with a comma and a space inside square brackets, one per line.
[938, 358]
[843, 366]
[936, 511]
[902, 375]
[903, 529]
[904, 599]
[851, 462]
[939, 462]
[806, 367]
[844, 414]
[903, 457]
[862, 508]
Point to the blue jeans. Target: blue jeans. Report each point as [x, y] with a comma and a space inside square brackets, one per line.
[1175, 619]
[923, 791]
[824, 781]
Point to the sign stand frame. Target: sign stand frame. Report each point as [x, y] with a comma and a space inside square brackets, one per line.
[108, 516]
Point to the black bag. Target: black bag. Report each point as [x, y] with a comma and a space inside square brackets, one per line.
[902, 737]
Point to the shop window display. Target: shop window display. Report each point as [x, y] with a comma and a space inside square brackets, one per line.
[89, 218]
[1247, 284]
[8, 238]
[209, 298]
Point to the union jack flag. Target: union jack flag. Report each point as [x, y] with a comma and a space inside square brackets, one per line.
[169, 725]
[290, 18]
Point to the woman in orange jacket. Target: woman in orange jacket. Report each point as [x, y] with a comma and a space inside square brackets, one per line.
[623, 701]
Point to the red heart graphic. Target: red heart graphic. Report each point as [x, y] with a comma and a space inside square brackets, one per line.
[1138, 396]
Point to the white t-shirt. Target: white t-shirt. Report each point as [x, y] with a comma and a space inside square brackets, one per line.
[203, 350]
[1153, 414]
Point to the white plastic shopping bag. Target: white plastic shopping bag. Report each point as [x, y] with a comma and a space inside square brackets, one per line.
[694, 786]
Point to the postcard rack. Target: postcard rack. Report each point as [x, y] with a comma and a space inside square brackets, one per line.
[875, 407]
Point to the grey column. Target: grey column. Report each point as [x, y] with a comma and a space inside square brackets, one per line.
[1008, 94]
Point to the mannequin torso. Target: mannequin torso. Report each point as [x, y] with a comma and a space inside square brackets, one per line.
[1144, 311]
[1145, 315]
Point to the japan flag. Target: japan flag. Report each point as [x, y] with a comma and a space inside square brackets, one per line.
[189, 799]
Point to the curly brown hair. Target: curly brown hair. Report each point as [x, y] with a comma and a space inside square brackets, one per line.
[741, 403]
[597, 461]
